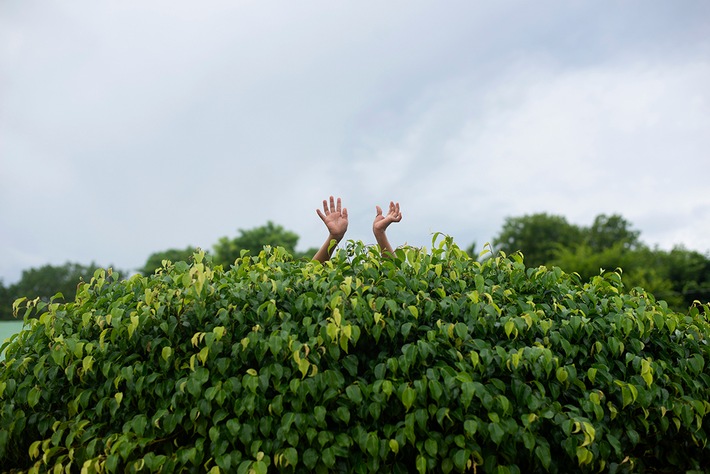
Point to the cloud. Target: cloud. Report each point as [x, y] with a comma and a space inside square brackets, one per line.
[131, 128]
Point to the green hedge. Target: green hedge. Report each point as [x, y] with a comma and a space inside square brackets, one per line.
[429, 362]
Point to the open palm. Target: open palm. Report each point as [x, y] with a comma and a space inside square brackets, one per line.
[335, 217]
[383, 221]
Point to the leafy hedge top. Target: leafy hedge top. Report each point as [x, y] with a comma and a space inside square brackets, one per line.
[430, 361]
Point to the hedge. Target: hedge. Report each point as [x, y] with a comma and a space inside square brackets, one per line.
[426, 362]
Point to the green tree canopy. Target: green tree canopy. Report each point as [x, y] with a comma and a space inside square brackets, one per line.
[678, 276]
[45, 282]
[227, 250]
[5, 302]
[634, 266]
[608, 231]
[537, 236]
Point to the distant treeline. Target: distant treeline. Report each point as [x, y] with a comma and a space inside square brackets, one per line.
[678, 276]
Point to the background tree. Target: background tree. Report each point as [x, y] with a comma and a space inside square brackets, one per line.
[226, 251]
[679, 276]
[45, 282]
[5, 303]
[608, 231]
[155, 260]
[537, 236]
[634, 264]
[688, 271]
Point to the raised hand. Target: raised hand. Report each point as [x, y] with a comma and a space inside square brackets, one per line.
[335, 218]
[382, 222]
[379, 226]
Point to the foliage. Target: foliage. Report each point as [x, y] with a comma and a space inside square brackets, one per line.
[155, 260]
[679, 276]
[538, 236]
[45, 282]
[5, 302]
[689, 272]
[228, 250]
[610, 231]
[633, 263]
[429, 361]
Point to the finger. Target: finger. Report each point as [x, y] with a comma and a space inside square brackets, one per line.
[338, 208]
[325, 207]
[345, 213]
[332, 204]
[379, 211]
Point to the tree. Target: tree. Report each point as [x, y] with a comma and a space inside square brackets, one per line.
[537, 236]
[608, 231]
[634, 266]
[155, 260]
[5, 303]
[688, 271]
[226, 251]
[48, 280]
[679, 277]
[45, 282]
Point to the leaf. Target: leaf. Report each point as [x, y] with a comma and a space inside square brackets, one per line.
[431, 447]
[409, 395]
[542, 452]
[290, 455]
[166, 352]
[33, 396]
[561, 374]
[467, 391]
[421, 464]
[460, 459]
[372, 445]
[354, 394]
[496, 432]
[310, 458]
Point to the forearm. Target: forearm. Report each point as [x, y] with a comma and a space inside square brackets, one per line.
[326, 250]
[384, 243]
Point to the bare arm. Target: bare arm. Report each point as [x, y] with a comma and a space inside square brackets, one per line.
[335, 218]
[379, 227]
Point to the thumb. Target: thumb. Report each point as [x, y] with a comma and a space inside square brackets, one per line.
[379, 210]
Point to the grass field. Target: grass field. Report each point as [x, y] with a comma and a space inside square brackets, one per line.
[7, 329]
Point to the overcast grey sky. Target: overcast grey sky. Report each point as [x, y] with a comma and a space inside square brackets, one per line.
[132, 127]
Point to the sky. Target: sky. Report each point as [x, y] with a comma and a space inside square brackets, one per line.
[132, 127]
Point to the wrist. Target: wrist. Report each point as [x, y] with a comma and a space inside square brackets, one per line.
[336, 237]
[379, 232]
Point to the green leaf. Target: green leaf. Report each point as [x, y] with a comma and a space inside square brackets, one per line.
[33, 396]
[310, 458]
[409, 395]
[328, 457]
[431, 447]
[394, 446]
[166, 352]
[562, 374]
[290, 455]
[496, 432]
[467, 391]
[354, 394]
[460, 459]
[470, 427]
[421, 464]
[372, 445]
